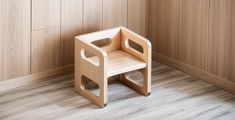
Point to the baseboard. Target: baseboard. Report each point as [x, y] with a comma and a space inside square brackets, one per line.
[37, 77]
[204, 75]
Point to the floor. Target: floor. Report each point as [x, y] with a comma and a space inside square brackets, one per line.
[175, 96]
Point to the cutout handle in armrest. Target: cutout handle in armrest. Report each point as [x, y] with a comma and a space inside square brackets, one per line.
[134, 46]
[89, 57]
[102, 42]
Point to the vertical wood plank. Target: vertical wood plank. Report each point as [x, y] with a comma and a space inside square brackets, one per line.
[220, 37]
[46, 52]
[232, 66]
[92, 16]
[45, 14]
[194, 42]
[137, 16]
[114, 13]
[156, 25]
[173, 15]
[1, 43]
[71, 16]
[14, 38]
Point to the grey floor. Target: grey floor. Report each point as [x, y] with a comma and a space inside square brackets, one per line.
[175, 96]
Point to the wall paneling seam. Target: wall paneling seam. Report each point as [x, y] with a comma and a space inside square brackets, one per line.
[31, 29]
[208, 37]
[61, 41]
[102, 14]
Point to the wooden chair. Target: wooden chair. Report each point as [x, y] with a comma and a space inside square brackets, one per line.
[103, 54]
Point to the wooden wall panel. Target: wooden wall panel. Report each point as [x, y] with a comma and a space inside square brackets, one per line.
[194, 42]
[232, 66]
[173, 22]
[72, 20]
[38, 35]
[46, 52]
[14, 38]
[195, 36]
[46, 32]
[92, 16]
[220, 37]
[137, 16]
[45, 13]
[114, 13]
[156, 25]
[2, 76]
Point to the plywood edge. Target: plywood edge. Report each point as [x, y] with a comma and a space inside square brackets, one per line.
[191, 70]
[37, 77]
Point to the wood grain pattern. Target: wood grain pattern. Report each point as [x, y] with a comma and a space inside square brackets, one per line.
[138, 16]
[72, 16]
[92, 19]
[1, 49]
[45, 13]
[46, 49]
[194, 43]
[118, 58]
[232, 70]
[173, 24]
[14, 38]
[114, 13]
[201, 74]
[175, 95]
[71, 26]
[120, 61]
[156, 26]
[6, 85]
[203, 42]
[220, 38]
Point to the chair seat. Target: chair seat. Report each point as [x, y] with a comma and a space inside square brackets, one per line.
[121, 62]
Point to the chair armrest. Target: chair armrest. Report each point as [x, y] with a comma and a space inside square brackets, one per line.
[143, 42]
[139, 39]
[87, 46]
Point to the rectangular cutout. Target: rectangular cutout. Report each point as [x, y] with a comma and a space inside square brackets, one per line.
[135, 46]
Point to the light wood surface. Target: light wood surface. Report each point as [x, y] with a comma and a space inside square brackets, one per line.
[74, 17]
[71, 26]
[16, 55]
[204, 75]
[165, 26]
[197, 33]
[173, 17]
[175, 95]
[232, 68]
[46, 49]
[95, 72]
[119, 62]
[118, 58]
[138, 16]
[6, 85]
[92, 19]
[114, 13]
[156, 25]
[220, 38]
[45, 13]
[14, 38]
[194, 42]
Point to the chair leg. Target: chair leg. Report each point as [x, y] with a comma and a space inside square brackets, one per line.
[144, 89]
[100, 100]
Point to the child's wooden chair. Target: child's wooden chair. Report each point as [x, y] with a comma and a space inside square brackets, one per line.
[97, 62]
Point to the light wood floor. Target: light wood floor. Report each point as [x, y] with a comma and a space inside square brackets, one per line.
[175, 95]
